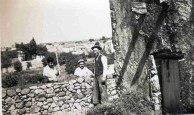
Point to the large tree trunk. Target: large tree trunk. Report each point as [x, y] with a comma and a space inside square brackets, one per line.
[141, 26]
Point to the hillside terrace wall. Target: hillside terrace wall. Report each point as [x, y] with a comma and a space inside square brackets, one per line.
[73, 96]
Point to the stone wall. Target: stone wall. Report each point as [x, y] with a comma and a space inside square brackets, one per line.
[73, 96]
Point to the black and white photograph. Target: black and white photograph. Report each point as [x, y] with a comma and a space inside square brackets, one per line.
[97, 57]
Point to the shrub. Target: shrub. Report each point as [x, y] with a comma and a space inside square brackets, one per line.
[22, 78]
[9, 81]
[29, 65]
[129, 103]
[18, 66]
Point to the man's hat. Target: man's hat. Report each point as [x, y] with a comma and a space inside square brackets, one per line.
[97, 45]
[81, 60]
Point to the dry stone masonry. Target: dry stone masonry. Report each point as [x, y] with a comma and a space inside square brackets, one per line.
[73, 96]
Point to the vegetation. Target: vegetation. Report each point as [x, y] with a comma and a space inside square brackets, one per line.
[22, 78]
[31, 49]
[71, 61]
[18, 66]
[29, 64]
[129, 103]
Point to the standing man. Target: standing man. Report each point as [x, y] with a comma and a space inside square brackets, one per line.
[100, 89]
[81, 70]
[50, 71]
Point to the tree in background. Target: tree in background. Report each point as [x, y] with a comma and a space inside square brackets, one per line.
[32, 47]
[91, 40]
[41, 50]
[5, 61]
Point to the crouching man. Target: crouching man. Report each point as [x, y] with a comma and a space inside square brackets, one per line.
[49, 71]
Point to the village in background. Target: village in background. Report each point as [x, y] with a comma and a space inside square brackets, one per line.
[36, 59]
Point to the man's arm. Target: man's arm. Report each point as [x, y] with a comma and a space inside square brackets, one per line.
[49, 74]
[104, 63]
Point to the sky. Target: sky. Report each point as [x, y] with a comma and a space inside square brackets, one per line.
[53, 20]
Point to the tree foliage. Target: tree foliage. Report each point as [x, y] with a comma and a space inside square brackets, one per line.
[41, 50]
[71, 62]
[5, 61]
[32, 47]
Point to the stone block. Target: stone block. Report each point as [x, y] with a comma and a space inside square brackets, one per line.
[18, 90]
[25, 91]
[57, 90]
[114, 92]
[77, 105]
[53, 105]
[67, 97]
[11, 92]
[20, 105]
[28, 104]
[30, 95]
[21, 111]
[33, 87]
[3, 93]
[71, 82]
[49, 85]
[65, 106]
[49, 100]
[45, 107]
[60, 103]
[35, 109]
[9, 100]
[55, 99]
[42, 99]
[37, 91]
[80, 80]
[61, 94]
[56, 109]
[50, 95]
[43, 87]
[12, 107]
[50, 90]
[39, 104]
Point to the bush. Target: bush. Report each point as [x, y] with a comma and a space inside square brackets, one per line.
[29, 65]
[18, 66]
[9, 81]
[129, 103]
[22, 78]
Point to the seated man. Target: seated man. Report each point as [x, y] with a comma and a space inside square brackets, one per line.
[50, 71]
[82, 71]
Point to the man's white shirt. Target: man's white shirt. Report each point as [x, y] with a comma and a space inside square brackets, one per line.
[50, 73]
[83, 72]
